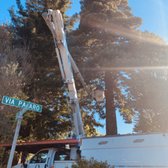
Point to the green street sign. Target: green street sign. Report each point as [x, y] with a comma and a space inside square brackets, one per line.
[21, 104]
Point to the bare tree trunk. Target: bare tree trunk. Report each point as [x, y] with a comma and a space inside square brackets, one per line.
[111, 121]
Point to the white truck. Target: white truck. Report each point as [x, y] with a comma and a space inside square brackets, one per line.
[150, 150]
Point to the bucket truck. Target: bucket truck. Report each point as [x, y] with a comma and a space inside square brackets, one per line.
[146, 150]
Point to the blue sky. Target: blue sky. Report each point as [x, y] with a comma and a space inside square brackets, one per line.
[153, 13]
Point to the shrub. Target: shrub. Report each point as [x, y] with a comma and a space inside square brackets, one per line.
[91, 164]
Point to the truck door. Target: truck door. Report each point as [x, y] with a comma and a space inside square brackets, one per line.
[62, 159]
[40, 160]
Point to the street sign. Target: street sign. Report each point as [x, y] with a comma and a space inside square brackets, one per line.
[21, 104]
[24, 105]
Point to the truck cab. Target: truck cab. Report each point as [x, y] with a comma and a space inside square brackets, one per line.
[52, 157]
[45, 154]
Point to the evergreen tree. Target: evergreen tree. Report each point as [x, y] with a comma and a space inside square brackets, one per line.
[46, 88]
[105, 28]
[147, 97]
[15, 72]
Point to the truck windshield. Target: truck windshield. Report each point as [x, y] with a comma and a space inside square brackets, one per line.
[40, 157]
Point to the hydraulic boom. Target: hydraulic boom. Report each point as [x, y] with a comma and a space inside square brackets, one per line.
[54, 21]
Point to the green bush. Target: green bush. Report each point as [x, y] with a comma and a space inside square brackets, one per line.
[91, 164]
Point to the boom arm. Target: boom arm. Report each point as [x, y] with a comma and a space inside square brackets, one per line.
[55, 23]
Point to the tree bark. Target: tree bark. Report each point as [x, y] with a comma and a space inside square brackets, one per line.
[111, 121]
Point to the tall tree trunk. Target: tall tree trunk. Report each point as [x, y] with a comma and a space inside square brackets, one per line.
[111, 121]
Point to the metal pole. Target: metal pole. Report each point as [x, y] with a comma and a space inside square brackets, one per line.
[19, 120]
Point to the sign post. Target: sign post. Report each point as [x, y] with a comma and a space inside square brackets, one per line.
[25, 106]
[19, 121]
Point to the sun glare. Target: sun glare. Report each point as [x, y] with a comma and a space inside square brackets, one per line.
[117, 29]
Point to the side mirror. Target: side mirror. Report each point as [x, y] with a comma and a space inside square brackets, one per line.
[45, 166]
[25, 165]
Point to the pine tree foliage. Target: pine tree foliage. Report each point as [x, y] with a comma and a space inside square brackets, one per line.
[45, 88]
[147, 97]
[100, 37]
[110, 42]
[15, 73]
